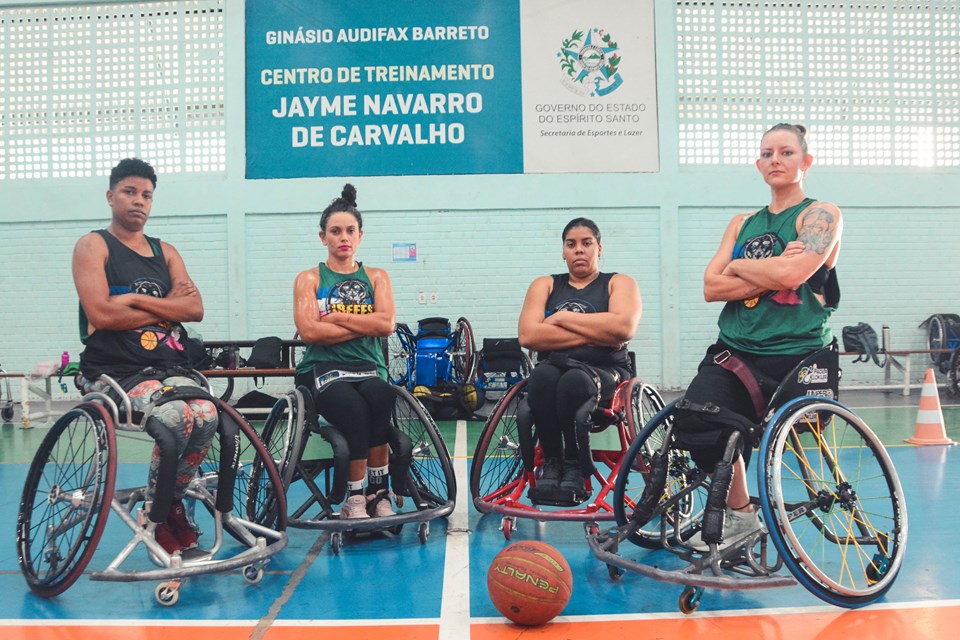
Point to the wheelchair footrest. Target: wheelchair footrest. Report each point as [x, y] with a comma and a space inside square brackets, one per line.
[556, 497]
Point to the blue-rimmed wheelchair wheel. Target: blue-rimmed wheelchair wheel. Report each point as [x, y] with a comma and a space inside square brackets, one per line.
[832, 501]
[684, 494]
[401, 357]
[66, 499]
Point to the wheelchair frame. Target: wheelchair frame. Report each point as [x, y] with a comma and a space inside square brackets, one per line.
[6, 404]
[429, 483]
[806, 498]
[456, 364]
[494, 381]
[499, 481]
[70, 488]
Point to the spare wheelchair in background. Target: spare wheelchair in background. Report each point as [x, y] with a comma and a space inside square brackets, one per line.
[437, 364]
[943, 332]
[6, 403]
[313, 458]
[70, 489]
[508, 458]
[829, 495]
[501, 363]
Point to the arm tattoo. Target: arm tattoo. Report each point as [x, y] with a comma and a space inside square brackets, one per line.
[816, 230]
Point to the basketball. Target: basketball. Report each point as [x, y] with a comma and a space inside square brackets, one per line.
[529, 582]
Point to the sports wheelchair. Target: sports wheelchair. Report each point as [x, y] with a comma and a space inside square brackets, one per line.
[829, 496]
[313, 470]
[508, 458]
[6, 404]
[70, 489]
[943, 332]
[435, 355]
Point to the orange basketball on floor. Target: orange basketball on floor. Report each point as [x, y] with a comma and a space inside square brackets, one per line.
[529, 582]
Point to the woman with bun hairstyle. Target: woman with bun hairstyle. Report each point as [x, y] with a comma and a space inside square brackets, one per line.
[342, 308]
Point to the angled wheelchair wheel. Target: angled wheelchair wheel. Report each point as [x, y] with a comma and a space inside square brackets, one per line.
[400, 357]
[431, 477]
[679, 504]
[645, 402]
[464, 357]
[937, 338]
[497, 466]
[257, 489]
[66, 499]
[283, 439]
[832, 501]
[953, 375]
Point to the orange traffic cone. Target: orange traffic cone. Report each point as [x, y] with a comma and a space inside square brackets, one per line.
[930, 428]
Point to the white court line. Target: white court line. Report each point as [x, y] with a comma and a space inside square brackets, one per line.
[455, 597]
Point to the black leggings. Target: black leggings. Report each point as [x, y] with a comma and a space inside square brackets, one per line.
[706, 438]
[358, 410]
[556, 394]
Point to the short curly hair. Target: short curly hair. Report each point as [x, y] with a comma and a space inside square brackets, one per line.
[132, 167]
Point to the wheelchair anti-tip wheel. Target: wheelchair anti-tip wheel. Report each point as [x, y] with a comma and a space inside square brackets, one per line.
[832, 501]
[684, 495]
[66, 499]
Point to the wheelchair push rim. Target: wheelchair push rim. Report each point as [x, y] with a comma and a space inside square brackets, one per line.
[832, 501]
[66, 499]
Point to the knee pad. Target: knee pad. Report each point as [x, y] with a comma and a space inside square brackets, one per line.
[169, 458]
[401, 457]
[341, 463]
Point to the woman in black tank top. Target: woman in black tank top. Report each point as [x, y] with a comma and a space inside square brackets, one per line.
[583, 316]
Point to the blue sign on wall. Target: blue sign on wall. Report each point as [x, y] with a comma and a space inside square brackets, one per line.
[337, 89]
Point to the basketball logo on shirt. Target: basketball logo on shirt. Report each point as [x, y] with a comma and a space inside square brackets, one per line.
[576, 306]
[761, 246]
[351, 296]
[147, 287]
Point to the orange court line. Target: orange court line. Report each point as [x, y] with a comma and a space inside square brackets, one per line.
[94, 631]
[876, 624]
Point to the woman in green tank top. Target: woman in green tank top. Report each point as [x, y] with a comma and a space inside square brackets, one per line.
[342, 309]
[774, 272]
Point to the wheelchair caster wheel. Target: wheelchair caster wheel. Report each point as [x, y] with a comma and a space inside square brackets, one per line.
[506, 525]
[253, 574]
[167, 593]
[423, 531]
[336, 542]
[614, 572]
[690, 600]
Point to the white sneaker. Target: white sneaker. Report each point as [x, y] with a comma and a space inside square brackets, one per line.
[354, 507]
[378, 504]
[736, 526]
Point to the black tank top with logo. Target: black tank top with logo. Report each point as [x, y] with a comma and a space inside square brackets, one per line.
[123, 353]
[593, 298]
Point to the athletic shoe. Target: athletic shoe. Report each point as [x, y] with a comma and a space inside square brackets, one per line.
[378, 504]
[166, 538]
[354, 507]
[572, 478]
[550, 474]
[737, 525]
[180, 527]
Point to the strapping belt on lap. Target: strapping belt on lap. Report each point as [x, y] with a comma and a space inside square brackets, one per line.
[737, 367]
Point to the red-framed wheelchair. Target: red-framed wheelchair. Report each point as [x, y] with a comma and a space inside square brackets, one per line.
[508, 459]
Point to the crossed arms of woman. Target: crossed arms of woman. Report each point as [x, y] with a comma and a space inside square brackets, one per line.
[819, 229]
[567, 329]
[337, 327]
